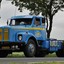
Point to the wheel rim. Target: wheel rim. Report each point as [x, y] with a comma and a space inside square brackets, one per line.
[31, 48]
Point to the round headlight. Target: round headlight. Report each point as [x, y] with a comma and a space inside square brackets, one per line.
[20, 37]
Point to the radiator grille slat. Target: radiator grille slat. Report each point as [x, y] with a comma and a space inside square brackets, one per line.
[0, 34]
[4, 34]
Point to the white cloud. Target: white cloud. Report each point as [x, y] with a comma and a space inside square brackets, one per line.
[58, 26]
[8, 10]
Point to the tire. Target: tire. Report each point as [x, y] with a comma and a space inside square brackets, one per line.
[3, 54]
[60, 53]
[30, 48]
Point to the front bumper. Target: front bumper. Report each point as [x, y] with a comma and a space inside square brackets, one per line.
[10, 45]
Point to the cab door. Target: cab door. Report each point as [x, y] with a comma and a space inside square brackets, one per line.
[37, 28]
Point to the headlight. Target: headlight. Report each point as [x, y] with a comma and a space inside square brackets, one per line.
[19, 37]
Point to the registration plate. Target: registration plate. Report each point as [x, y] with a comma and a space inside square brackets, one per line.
[53, 43]
[5, 47]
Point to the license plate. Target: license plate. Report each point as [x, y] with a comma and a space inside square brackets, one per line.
[52, 43]
[5, 47]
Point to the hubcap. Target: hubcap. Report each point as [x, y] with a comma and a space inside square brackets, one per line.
[31, 48]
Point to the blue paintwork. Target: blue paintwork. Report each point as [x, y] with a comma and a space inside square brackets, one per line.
[54, 47]
[14, 31]
[26, 16]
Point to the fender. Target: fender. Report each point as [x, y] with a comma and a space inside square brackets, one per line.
[25, 36]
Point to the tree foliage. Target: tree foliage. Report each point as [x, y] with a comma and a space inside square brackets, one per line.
[48, 8]
[0, 2]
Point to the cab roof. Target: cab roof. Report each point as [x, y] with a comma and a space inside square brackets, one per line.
[26, 16]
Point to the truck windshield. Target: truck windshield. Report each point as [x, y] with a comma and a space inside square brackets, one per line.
[24, 21]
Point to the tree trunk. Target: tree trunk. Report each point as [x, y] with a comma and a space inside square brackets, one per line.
[50, 27]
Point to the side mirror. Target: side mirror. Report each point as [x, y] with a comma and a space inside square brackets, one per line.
[7, 22]
[46, 23]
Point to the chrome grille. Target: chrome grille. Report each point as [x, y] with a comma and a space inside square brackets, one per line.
[4, 34]
[1, 34]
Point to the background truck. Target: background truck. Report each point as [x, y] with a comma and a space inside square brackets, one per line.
[28, 34]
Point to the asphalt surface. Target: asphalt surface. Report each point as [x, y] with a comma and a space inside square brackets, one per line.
[30, 59]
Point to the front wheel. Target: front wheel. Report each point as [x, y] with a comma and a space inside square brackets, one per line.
[30, 48]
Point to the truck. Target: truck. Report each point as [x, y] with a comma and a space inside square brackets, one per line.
[28, 34]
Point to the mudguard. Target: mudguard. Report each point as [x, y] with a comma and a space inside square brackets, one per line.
[25, 36]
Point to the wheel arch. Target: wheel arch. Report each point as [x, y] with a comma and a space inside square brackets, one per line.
[33, 38]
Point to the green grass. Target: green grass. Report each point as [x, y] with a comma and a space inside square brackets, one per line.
[35, 63]
[21, 54]
[16, 55]
[51, 55]
[47, 63]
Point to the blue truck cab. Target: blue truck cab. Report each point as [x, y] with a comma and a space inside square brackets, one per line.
[27, 34]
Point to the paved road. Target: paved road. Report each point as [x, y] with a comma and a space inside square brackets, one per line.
[30, 59]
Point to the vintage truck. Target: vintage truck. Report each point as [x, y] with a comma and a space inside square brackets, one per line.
[28, 34]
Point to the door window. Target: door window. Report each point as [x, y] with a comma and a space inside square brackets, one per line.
[37, 22]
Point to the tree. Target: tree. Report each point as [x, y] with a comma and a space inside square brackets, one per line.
[0, 3]
[48, 8]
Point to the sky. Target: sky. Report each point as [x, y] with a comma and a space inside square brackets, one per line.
[8, 10]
